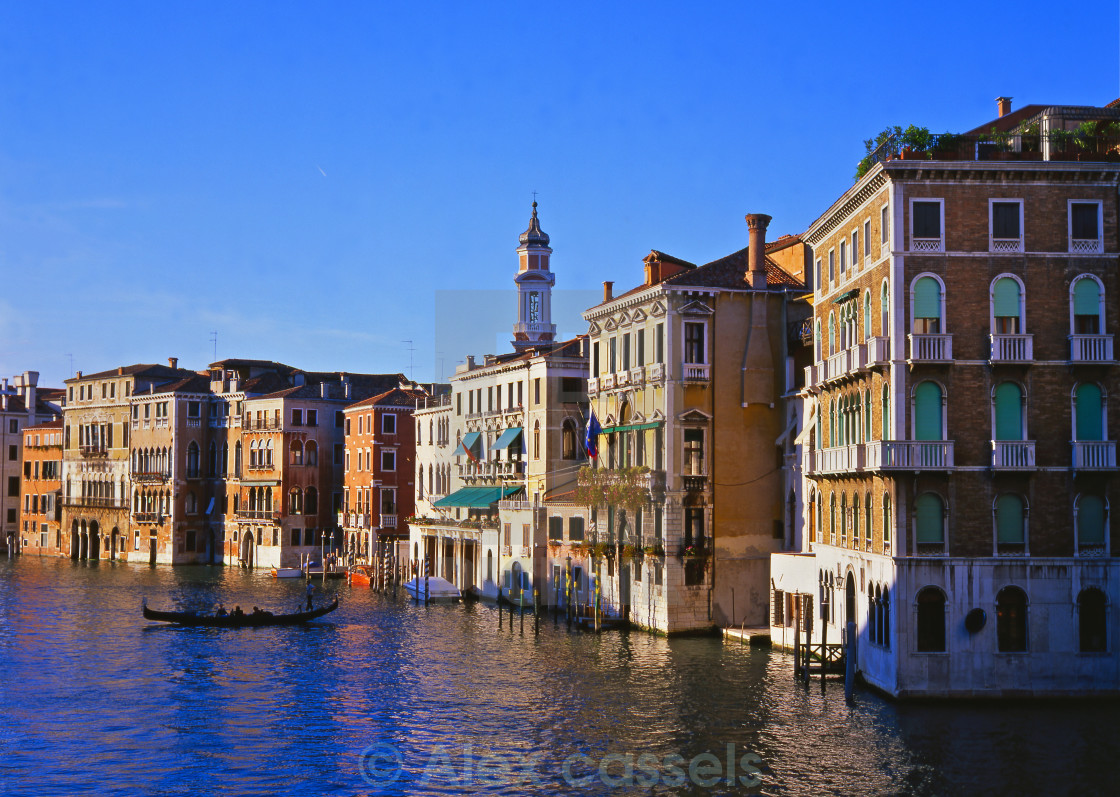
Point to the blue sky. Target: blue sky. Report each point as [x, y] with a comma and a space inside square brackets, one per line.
[304, 178]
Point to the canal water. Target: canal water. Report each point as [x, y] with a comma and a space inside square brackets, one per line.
[386, 697]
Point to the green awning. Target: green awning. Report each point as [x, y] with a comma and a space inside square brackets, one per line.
[631, 427]
[507, 437]
[469, 441]
[475, 497]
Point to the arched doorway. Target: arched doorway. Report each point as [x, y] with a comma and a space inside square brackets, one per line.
[94, 540]
[83, 543]
[75, 541]
[114, 542]
[247, 549]
[849, 599]
[152, 549]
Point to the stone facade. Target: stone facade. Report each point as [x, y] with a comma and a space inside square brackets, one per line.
[41, 490]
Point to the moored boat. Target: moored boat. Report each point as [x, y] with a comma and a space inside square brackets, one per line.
[433, 589]
[360, 576]
[286, 572]
[254, 619]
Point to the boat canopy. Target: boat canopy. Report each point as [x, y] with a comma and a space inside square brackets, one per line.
[475, 497]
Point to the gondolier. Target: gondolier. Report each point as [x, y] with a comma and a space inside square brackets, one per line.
[310, 589]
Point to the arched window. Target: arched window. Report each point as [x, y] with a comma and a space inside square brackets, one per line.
[569, 437]
[885, 412]
[295, 453]
[833, 436]
[844, 519]
[888, 522]
[867, 520]
[192, 460]
[1092, 620]
[536, 439]
[817, 342]
[855, 519]
[311, 453]
[885, 627]
[831, 334]
[927, 307]
[212, 460]
[1007, 400]
[237, 458]
[931, 620]
[1090, 523]
[832, 519]
[820, 518]
[928, 408]
[311, 501]
[867, 431]
[268, 452]
[252, 454]
[867, 315]
[1007, 306]
[267, 494]
[295, 502]
[1011, 620]
[490, 565]
[1011, 525]
[884, 311]
[1088, 409]
[1086, 308]
[929, 523]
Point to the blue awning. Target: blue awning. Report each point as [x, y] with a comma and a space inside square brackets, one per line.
[469, 441]
[507, 437]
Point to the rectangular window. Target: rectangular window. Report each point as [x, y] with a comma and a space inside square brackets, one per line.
[595, 359]
[13, 453]
[490, 398]
[855, 249]
[817, 275]
[470, 402]
[694, 349]
[925, 219]
[13, 486]
[388, 460]
[1085, 227]
[194, 409]
[388, 423]
[884, 225]
[867, 240]
[297, 417]
[508, 534]
[312, 417]
[575, 529]
[537, 390]
[843, 257]
[641, 343]
[519, 396]
[694, 452]
[555, 529]
[626, 352]
[1006, 226]
[614, 355]
[659, 343]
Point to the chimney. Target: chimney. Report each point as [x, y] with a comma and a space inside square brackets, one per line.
[120, 370]
[78, 375]
[756, 250]
[173, 362]
[470, 362]
[608, 291]
[1004, 104]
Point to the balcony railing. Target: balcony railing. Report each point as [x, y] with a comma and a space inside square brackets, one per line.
[592, 386]
[909, 455]
[695, 372]
[694, 483]
[1012, 348]
[655, 372]
[149, 477]
[836, 366]
[812, 378]
[194, 423]
[1004, 245]
[637, 376]
[606, 382]
[1086, 246]
[878, 351]
[96, 502]
[927, 244]
[388, 521]
[839, 459]
[622, 378]
[1013, 454]
[147, 517]
[270, 515]
[1090, 348]
[1094, 454]
[93, 450]
[931, 348]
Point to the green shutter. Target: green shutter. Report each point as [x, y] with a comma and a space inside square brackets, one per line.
[867, 316]
[1090, 425]
[1009, 412]
[831, 333]
[1009, 519]
[1090, 520]
[927, 412]
[1005, 299]
[927, 298]
[1086, 297]
[930, 515]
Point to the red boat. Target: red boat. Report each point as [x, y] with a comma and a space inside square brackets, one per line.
[360, 576]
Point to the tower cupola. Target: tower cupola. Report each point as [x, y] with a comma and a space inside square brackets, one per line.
[534, 288]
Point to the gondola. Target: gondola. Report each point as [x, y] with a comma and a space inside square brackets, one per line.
[238, 621]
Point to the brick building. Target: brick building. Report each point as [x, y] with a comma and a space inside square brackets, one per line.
[22, 404]
[959, 459]
[379, 492]
[41, 490]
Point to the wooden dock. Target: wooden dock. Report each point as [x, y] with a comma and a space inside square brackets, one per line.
[755, 637]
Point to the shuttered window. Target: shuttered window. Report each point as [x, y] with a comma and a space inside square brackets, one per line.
[1090, 424]
[927, 412]
[1090, 520]
[930, 515]
[1009, 412]
[1009, 519]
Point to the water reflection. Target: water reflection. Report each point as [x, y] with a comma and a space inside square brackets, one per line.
[96, 700]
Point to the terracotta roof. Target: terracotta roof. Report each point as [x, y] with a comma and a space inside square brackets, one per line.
[397, 397]
[140, 369]
[55, 424]
[730, 271]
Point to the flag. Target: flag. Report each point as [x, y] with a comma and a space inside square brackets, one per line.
[591, 439]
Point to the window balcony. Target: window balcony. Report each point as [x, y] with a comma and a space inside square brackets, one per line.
[267, 515]
[927, 245]
[840, 459]
[655, 372]
[1094, 454]
[811, 378]
[931, 348]
[909, 455]
[637, 376]
[149, 477]
[836, 366]
[388, 521]
[694, 483]
[194, 423]
[93, 450]
[1090, 348]
[857, 357]
[1004, 245]
[1086, 246]
[696, 372]
[1013, 454]
[97, 502]
[592, 386]
[622, 378]
[146, 517]
[606, 382]
[878, 352]
[1012, 348]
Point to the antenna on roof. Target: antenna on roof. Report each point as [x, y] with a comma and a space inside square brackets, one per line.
[411, 349]
[214, 340]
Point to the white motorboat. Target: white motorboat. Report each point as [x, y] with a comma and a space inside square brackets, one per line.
[286, 572]
[434, 589]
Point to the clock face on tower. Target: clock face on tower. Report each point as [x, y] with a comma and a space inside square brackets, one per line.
[534, 307]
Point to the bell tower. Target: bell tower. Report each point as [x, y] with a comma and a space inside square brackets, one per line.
[534, 288]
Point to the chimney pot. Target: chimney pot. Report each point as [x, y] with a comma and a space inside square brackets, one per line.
[79, 374]
[173, 362]
[756, 249]
[608, 291]
[1004, 105]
